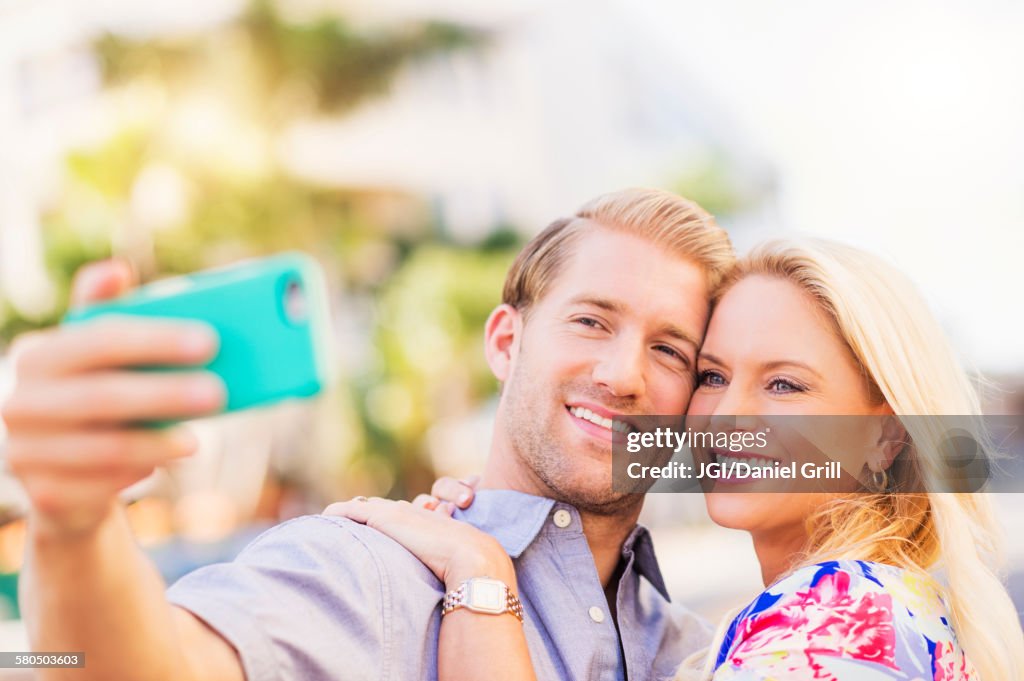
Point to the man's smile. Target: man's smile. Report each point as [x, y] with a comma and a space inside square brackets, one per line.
[597, 421]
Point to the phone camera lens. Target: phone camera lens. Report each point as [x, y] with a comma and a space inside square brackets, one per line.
[296, 308]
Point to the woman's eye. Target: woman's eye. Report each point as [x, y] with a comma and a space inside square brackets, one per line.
[782, 386]
[710, 379]
[589, 321]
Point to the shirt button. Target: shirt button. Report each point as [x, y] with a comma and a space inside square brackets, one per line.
[562, 518]
[596, 614]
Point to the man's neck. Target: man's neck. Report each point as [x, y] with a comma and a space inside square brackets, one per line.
[605, 533]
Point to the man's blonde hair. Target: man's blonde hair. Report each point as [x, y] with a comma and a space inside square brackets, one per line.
[678, 225]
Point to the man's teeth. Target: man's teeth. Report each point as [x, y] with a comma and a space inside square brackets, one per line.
[586, 414]
[753, 462]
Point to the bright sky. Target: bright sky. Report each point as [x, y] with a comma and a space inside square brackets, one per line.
[895, 126]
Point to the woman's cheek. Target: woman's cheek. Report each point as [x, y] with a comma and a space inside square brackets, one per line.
[702, 403]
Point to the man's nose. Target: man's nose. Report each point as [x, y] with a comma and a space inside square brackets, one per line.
[621, 371]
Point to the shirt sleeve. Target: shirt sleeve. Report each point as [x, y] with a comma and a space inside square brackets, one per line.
[822, 622]
[306, 600]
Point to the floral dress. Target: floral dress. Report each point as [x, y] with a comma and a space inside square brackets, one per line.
[844, 621]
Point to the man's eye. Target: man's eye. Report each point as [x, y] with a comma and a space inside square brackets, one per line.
[710, 379]
[588, 321]
[671, 352]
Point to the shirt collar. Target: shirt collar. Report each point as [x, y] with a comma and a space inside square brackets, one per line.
[515, 519]
[640, 545]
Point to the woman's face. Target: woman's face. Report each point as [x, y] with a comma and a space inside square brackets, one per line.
[771, 351]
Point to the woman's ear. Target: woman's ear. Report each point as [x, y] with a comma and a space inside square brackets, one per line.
[501, 340]
[891, 441]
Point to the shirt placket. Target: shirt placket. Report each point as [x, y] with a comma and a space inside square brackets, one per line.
[594, 640]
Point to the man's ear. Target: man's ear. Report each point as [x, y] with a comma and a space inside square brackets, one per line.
[891, 441]
[501, 340]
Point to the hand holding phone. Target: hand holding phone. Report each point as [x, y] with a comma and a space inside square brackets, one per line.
[270, 315]
[76, 418]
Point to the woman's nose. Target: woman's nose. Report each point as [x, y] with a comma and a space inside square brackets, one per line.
[737, 405]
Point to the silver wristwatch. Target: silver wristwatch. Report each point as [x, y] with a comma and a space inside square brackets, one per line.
[484, 595]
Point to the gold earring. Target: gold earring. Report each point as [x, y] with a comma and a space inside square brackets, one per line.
[881, 480]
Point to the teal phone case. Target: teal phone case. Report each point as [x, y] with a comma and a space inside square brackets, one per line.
[271, 315]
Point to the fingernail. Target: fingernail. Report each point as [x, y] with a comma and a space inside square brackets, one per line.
[463, 499]
[198, 342]
[206, 392]
[83, 289]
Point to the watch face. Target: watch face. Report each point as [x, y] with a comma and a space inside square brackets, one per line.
[486, 595]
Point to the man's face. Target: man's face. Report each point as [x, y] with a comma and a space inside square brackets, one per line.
[616, 332]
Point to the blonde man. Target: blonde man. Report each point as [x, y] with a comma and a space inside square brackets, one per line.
[602, 315]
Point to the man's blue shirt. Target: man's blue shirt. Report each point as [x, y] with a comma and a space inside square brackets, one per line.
[321, 598]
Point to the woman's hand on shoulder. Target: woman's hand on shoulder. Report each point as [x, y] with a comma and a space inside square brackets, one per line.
[453, 550]
[449, 493]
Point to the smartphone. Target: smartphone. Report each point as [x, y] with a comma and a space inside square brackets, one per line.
[271, 315]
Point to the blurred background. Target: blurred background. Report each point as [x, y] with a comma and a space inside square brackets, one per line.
[412, 147]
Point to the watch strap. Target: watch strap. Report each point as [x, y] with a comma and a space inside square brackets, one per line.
[457, 598]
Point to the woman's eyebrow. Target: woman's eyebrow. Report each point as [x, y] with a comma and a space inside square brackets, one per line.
[776, 364]
[708, 357]
[767, 366]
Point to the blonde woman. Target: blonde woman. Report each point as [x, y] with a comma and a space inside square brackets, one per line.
[865, 585]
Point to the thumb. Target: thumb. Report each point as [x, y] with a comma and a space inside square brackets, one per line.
[101, 280]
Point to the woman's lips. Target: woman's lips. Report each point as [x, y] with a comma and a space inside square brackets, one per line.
[746, 457]
[754, 460]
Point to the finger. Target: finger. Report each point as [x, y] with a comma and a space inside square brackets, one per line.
[117, 341]
[444, 508]
[471, 481]
[426, 501]
[359, 511]
[114, 397]
[112, 452]
[101, 280]
[78, 494]
[450, 489]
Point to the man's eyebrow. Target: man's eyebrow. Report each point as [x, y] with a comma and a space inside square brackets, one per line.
[682, 336]
[603, 303]
[616, 306]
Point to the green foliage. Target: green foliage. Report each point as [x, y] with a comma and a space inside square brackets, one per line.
[342, 64]
[713, 182]
[206, 110]
[338, 64]
[428, 341]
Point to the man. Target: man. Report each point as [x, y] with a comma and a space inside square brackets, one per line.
[601, 315]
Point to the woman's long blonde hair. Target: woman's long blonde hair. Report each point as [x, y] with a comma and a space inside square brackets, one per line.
[909, 364]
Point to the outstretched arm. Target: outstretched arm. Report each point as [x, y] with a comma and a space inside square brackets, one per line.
[74, 443]
[472, 645]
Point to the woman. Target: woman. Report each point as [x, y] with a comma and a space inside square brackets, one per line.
[852, 585]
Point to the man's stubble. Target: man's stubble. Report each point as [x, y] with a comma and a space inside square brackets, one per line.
[532, 416]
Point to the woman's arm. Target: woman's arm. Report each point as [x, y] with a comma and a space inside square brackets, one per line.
[472, 645]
